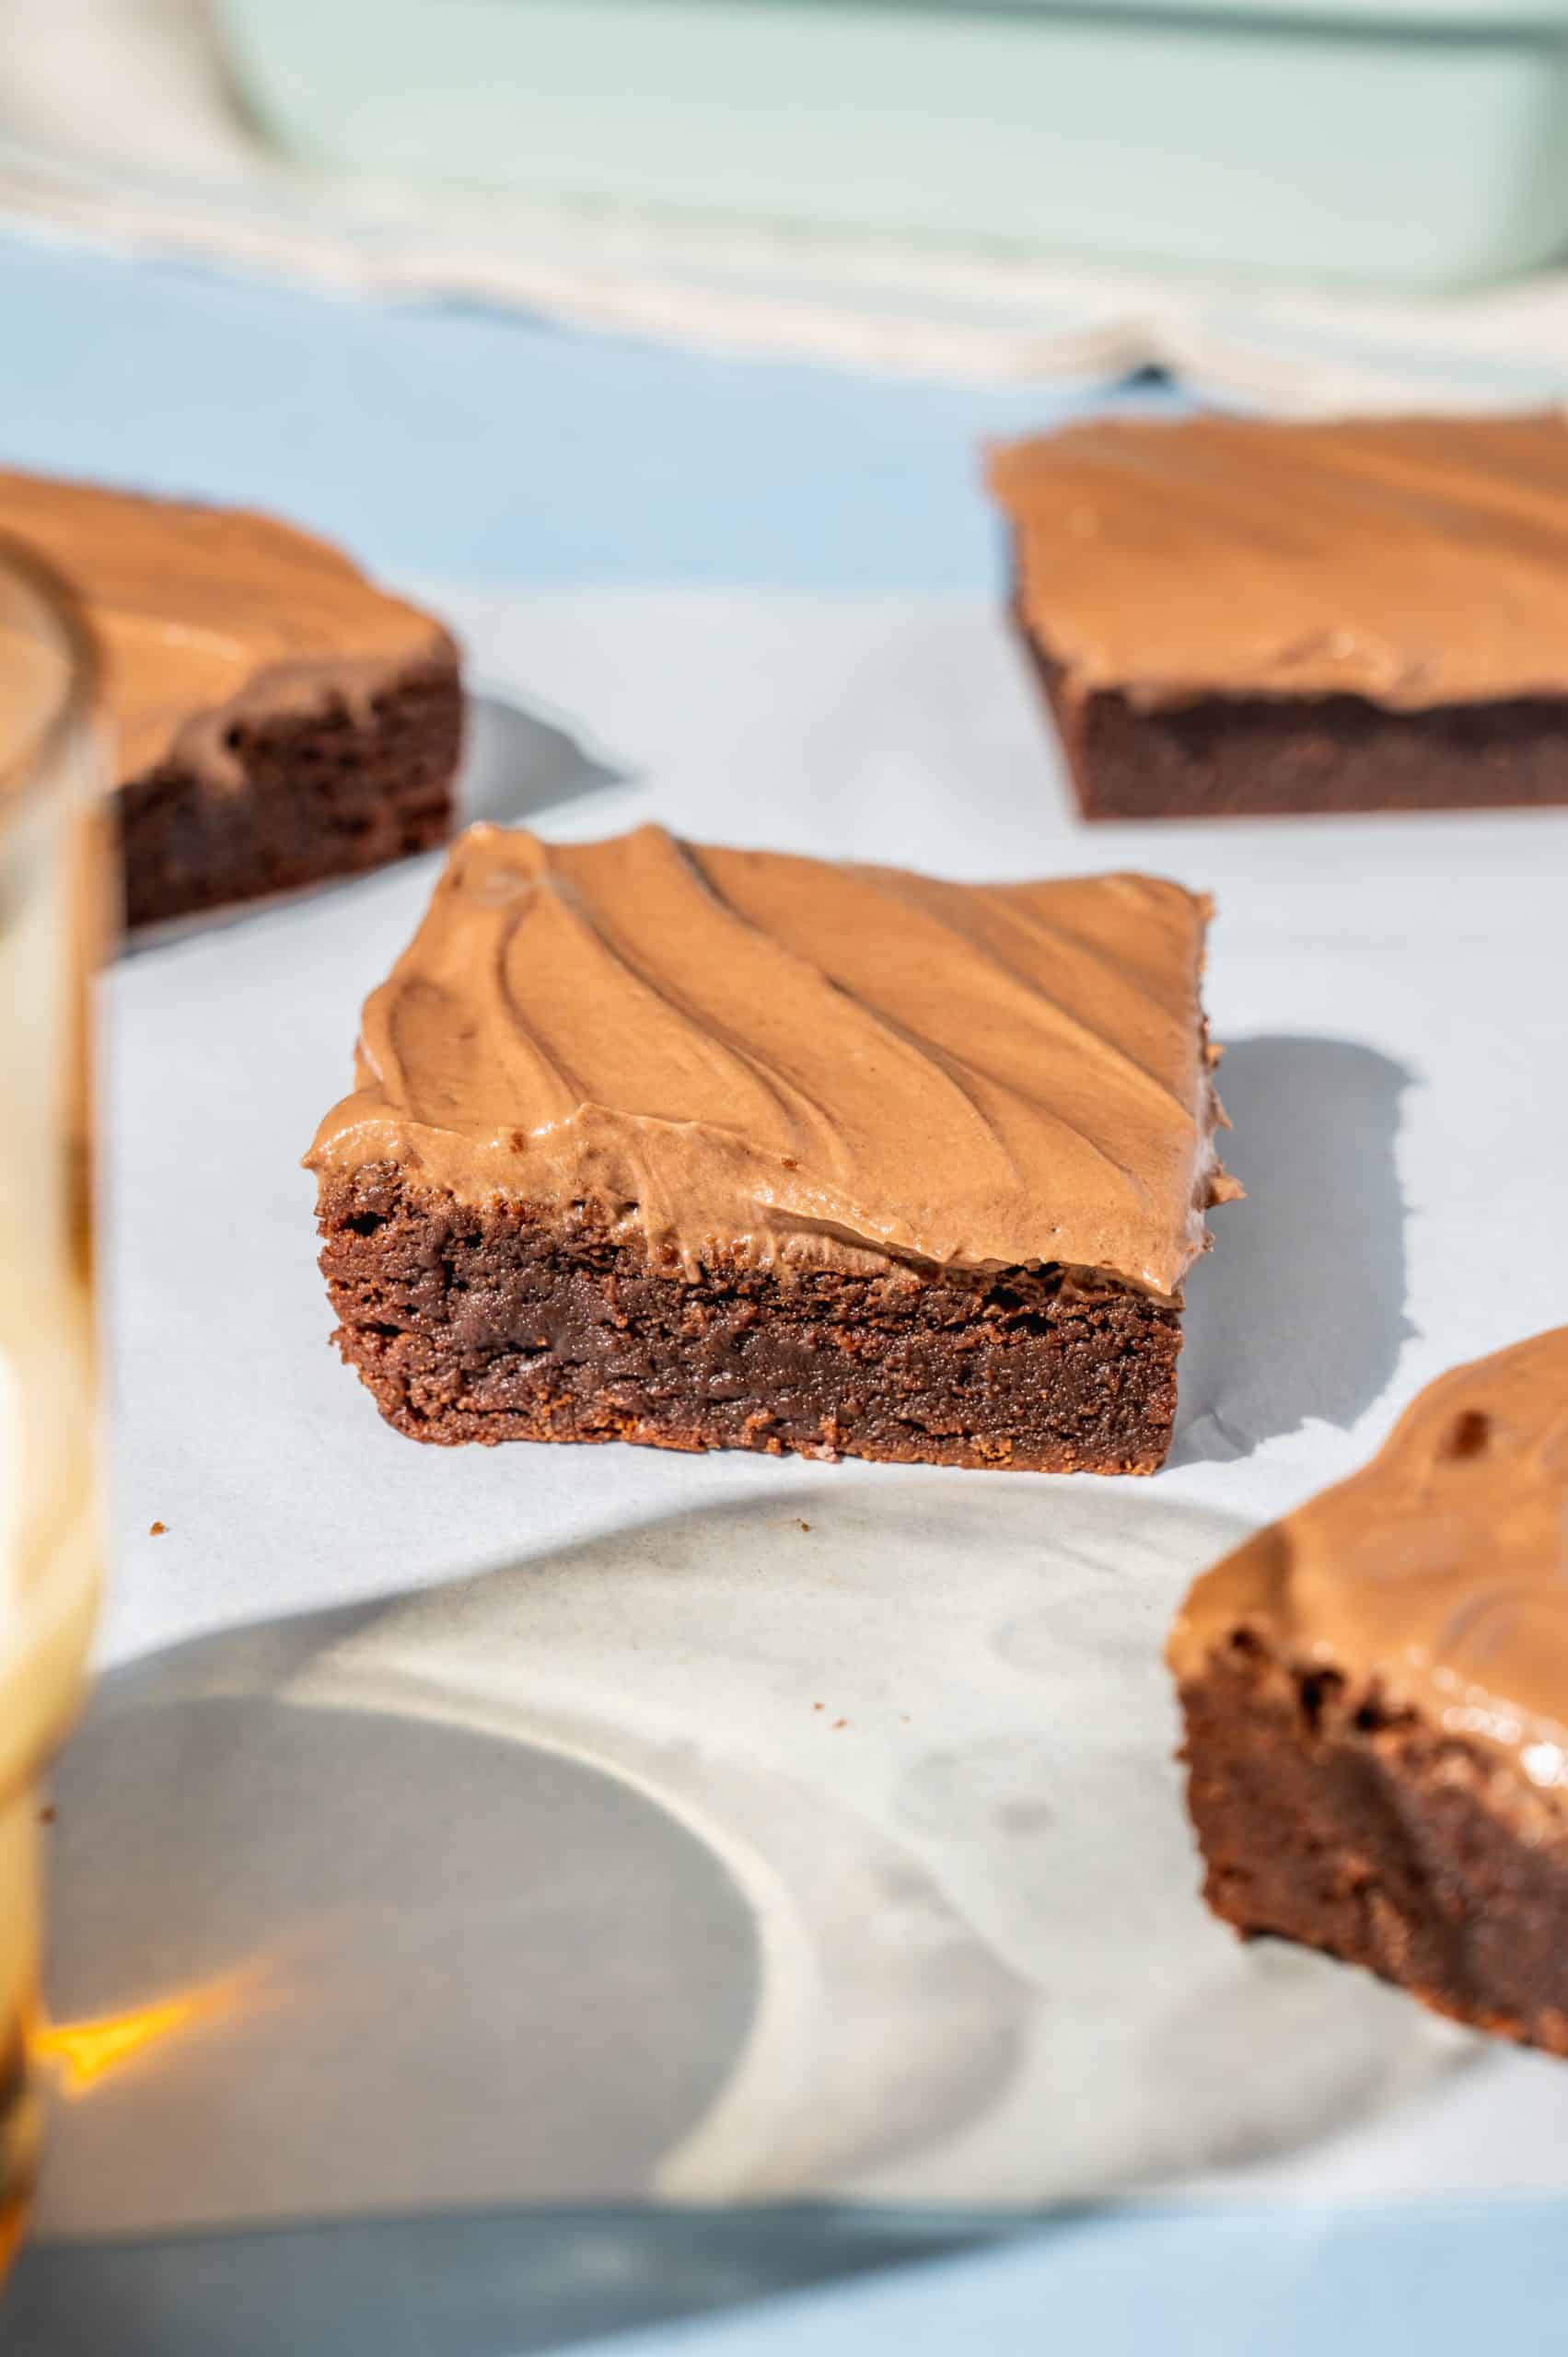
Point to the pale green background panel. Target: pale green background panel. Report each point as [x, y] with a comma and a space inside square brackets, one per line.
[1419, 143]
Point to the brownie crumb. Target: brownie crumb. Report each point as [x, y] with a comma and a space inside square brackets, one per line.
[1471, 1434]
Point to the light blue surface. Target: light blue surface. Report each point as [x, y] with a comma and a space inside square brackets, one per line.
[1412, 2280]
[1246, 2282]
[450, 442]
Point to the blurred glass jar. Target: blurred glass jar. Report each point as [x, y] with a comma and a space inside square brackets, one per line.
[54, 902]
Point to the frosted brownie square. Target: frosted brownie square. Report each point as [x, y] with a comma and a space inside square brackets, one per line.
[1376, 1693]
[276, 718]
[1234, 615]
[727, 1149]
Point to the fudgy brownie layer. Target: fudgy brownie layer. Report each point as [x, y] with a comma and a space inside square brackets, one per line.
[1328, 1818]
[1260, 756]
[495, 1324]
[326, 795]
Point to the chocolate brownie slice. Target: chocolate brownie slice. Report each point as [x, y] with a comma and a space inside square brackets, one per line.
[719, 1149]
[277, 719]
[1376, 1694]
[1231, 616]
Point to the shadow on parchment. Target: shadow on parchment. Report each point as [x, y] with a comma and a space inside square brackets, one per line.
[486, 1966]
[503, 1952]
[517, 764]
[1297, 1314]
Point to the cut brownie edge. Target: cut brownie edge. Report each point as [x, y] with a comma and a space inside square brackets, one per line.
[1328, 1818]
[496, 1322]
[326, 794]
[1291, 757]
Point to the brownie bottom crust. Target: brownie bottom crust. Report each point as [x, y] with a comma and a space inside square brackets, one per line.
[328, 794]
[495, 1324]
[1326, 1818]
[1263, 756]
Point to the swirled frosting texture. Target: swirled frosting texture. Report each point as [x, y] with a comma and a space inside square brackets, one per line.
[1414, 562]
[738, 1052]
[1440, 1572]
[208, 616]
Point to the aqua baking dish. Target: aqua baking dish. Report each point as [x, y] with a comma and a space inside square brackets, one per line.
[1416, 141]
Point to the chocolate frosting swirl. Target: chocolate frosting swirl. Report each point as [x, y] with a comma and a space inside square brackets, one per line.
[209, 616]
[740, 1053]
[1439, 1574]
[1414, 562]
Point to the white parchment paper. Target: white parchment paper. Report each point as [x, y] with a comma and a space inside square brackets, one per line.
[548, 1823]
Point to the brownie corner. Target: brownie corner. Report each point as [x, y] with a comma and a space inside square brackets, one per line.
[1328, 1815]
[330, 793]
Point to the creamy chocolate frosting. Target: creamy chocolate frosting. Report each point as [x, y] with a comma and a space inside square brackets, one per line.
[209, 616]
[1414, 562]
[1438, 1573]
[736, 1052]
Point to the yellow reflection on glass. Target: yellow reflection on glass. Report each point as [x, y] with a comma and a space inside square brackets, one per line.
[52, 908]
[85, 2052]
